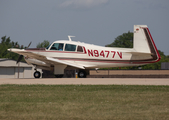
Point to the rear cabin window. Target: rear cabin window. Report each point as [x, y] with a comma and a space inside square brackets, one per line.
[57, 46]
[70, 47]
[79, 49]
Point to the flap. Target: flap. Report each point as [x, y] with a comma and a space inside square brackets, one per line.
[66, 63]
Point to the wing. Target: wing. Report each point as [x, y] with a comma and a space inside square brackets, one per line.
[63, 62]
[48, 60]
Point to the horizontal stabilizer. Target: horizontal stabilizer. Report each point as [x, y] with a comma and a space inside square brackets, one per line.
[140, 53]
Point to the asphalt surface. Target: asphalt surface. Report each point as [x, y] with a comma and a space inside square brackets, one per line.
[88, 81]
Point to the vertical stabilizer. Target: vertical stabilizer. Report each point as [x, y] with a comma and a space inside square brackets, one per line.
[143, 42]
[140, 40]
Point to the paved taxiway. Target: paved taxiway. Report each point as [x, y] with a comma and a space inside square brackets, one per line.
[88, 81]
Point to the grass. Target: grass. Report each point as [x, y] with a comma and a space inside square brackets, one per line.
[83, 102]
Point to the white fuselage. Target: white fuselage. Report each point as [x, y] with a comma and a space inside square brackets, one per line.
[63, 53]
[91, 56]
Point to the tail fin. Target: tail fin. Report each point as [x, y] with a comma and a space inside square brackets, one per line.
[143, 42]
[140, 41]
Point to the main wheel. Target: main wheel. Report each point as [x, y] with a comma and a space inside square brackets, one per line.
[37, 74]
[82, 74]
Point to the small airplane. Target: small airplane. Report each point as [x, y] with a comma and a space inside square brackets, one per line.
[80, 56]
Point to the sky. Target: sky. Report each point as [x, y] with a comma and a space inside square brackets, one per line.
[91, 21]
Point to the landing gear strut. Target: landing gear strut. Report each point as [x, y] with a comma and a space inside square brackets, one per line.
[37, 74]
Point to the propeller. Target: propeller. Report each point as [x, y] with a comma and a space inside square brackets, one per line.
[29, 44]
[21, 56]
[19, 59]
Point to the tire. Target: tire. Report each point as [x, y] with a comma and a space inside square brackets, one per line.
[37, 74]
[82, 74]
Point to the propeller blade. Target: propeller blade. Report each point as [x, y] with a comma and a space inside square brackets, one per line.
[29, 44]
[19, 59]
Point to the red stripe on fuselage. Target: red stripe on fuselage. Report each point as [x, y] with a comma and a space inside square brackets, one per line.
[38, 50]
[108, 61]
[55, 51]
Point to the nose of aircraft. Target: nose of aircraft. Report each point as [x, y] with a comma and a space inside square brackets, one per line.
[14, 50]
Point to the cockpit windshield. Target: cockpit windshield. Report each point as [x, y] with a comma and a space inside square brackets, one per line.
[48, 46]
[66, 47]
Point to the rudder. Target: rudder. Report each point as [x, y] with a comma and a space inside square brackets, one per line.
[144, 43]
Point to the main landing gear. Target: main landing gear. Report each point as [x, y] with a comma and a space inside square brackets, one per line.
[82, 74]
[37, 74]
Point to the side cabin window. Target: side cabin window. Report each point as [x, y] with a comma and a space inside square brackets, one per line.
[70, 47]
[79, 49]
[57, 46]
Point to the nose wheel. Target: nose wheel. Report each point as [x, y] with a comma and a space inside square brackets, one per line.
[37, 74]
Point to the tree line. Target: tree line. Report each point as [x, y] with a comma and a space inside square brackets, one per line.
[5, 44]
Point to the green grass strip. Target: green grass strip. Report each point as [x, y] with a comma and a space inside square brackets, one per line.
[84, 102]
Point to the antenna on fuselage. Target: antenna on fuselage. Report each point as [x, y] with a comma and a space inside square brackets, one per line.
[70, 37]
